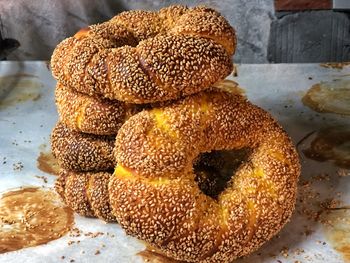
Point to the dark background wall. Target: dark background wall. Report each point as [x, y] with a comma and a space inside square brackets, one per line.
[268, 31]
[309, 31]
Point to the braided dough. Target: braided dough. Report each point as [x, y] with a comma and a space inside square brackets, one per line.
[143, 57]
[154, 195]
[86, 193]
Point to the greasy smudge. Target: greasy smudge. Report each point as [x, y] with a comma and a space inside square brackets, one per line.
[335, 65]
[337, 231]
[46, 162]
[152, 255]
[31, 217]
[19, 88]
[332, 97]
[230, 86]
[331, 144]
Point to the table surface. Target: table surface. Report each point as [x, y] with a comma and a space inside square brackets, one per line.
[319, 230]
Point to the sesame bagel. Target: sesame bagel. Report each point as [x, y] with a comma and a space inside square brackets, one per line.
[82, 152]
[86, 193]
[89, 114]
[155, 197]
[145, 57]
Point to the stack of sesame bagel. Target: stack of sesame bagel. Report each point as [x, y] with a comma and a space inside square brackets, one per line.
[138, 112]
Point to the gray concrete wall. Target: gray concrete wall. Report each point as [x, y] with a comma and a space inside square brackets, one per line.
[40, 25]
[316, 36]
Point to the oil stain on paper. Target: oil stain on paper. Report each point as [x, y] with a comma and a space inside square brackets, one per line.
[230, 86]
[331, 97]
[31, 217]
[151, 255]
[46, 162]
[335, 65]
[19, 88]
[337, 232]
[331, 144]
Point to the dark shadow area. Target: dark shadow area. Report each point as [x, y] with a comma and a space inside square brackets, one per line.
[215, 169]
[7, 45]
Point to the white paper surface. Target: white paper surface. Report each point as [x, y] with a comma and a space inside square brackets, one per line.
[25, 127]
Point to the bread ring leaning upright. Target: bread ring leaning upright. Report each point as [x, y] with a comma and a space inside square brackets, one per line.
[145, 57]
[86, 193]
[154, 195]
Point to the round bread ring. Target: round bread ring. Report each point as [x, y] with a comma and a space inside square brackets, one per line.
[88, 114]
[82, 152]
[86, 193]
[144, 57]
[154, 195]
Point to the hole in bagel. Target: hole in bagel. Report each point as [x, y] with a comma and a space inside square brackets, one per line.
[214, 170]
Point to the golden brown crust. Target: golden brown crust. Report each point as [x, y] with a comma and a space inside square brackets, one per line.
[86, 193]
[82, 152]
[142, 24]
[85, 43]
[155, 151]
[178, 45]
[208, 23]
[88, 114]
